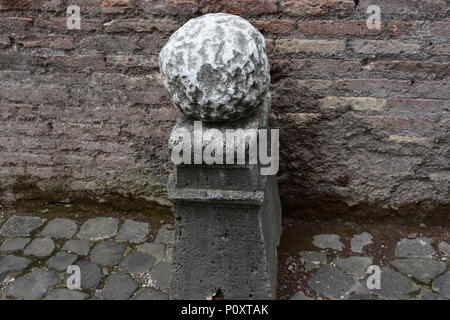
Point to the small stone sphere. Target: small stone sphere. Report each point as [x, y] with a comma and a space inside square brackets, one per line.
[215, 68]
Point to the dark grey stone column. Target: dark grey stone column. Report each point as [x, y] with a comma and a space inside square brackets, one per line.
[228, 216]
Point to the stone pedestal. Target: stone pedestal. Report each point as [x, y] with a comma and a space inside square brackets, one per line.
[228, 225]
[228, 214]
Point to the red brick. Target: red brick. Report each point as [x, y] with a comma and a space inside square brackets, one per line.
[79, 62]
[418, 106]
[439, 29]
[373, 87]
[60, 25]
[239, 7]
[411, 67]
[299, 67]
[170, 7]
[417, 9]
[34, 95]
[314, 8]
[330, 27]
[431, 89]
[13, 24]
[43, 5]
[440, 49]
[5, 42]
[396, 123]
[276, 26]
[142, 25]
[115, 6]
[56, 42]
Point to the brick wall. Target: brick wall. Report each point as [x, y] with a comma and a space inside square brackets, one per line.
[364, 114]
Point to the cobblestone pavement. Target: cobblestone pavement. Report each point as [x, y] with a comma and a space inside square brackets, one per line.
[420, 269]
[116, 258]
[130, 259]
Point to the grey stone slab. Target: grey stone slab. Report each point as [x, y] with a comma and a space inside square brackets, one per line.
[65, 294]
[91, 274]
[328, 241]
[12, 265]
[60, 228]
[415, 248]
[108, 252]
[166, 234]
[300, 296]
[312, 259]
[20, 226]
[118, 286]
[423, 270]
[442, 285]
[354, 266]
[150, 294]
[394, 285]
[359, 241]
[14, 244]
[160, 276]
[427, 294]
[137, 263]
[362, 296]
[133, 231]
[444, 248]
[61, 261]
[40, 247]
[98, 228]
[331, 283]
[33, 285]
[158, 250]
[80, 247]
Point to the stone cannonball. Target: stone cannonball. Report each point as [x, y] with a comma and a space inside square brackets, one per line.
[215, 68]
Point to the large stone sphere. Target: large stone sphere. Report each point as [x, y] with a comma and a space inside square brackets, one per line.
[215, 68]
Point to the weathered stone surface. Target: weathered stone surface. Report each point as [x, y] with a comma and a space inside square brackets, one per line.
[33, 285]
[215, 67]
[415, 248]
[80, 247]
[12, 265]
[20, 226]
[60, 228]
[65, 294]
[444, 248]
[137, 263]
[150, 294]
[108, 252]
[98, 228]
[160, 276]
[354, 266]
[90, 274]
[40, 247]
[328, 241]
[359, 241]
[158, 250]
[165, 234]
[300, 296]
[362, 296]
[423, 270]
[331, 283]
[427, 294]
[312, 259]
[133, 231]
[117, 287]
[394, 285]
[61, 261]
[14, 244]
[442, 285]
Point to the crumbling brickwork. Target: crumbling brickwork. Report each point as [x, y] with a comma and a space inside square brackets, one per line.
[364, 113]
